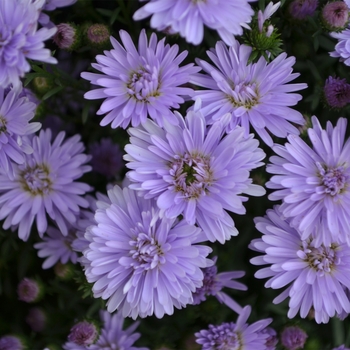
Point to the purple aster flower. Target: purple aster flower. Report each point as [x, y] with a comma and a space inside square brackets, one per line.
[293, 338]
[83, 333]
[139, 82]
[36, 319]
[107, 158]
[20, 40]
[337, 92]
[28, 290]
[342, 48]
[142, 263]
[194, 171]
[335, 15]
[300, 9]
[313, 182]
[316, 275]
[188, 17]
[254, 94]
[10, 342]
[214, 282]
[15, 114]
[45, 183]
[239, 335]
[56, 247]
[341, 347]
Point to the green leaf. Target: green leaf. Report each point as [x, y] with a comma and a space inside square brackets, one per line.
[52, 92]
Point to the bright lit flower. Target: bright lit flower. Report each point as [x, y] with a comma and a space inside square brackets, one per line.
[316, 275]
[188, 17]
[195, 171]
[45, 184]
[237, 335]
[20, 40]
[314, 182]
[56, 247]
[254, 94]
[342, 49]
[142, 263]
[139, 82]
[15, 114]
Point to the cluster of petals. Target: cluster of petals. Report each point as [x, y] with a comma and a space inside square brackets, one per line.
[45, 184]
[255, 94]
[21, 40]
[188, 17]
[316, 277]
[239, 335]
[112, 335]
[313, 182]
[142, 263]
[194, 170]
[342, 48]
[15, 113]
[139, 82]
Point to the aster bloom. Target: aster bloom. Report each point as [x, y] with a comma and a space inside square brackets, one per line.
[239, 335]
[188, 17]
[142, 263]
[10, 342]
[56, 247]
[342, 48]
[313, 182]
[28, 290]
[20, 40]
[272, 339]
[335, 15]
[51, 5]
[337, 92]
[194, 171]
[16, 111]
[316, 275]
[137, 82]
[300, 9]
[107, 157]
[293, 338]
[214, 282]
[254, 94]
[341, 347]
[45, 183]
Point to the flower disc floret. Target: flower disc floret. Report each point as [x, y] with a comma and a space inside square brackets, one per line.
[256, 94]
[316, 275]
[313, 182]
[194, 170]
[139, 82]
[20, 40]
[45, 184]
[143, 263]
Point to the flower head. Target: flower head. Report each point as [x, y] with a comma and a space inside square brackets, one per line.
[316, 275]
[56, 247]
[65, 36]
[337, 92]
[20, 40]
[83, 333]
[192, 170]
[97, 34]
[15, 113]
[342, 48]
[314, 182]
[300, 9]
[335, 15]
[28, 290]
[254, 94]
[188, 17]
[214, 282]
[293, 338]
[234, 336]
[10, 342]
[45, 184]
[142, 263]
[139, 82]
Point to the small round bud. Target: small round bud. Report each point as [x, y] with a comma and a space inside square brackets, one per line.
[83, 333]
[300, 9]
[336, 92]
[335, 16]
[36, 319]
[64, 271]
[293, 338]
[98, 34]
[66, 36]
[28, 290]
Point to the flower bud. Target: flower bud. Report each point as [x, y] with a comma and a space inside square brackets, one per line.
[293, 338]
[11, 342]
[98, 35]
[29, 290]
[336, 92]
[83, 333]
[335, 16]
[67, 37]
[300, 9]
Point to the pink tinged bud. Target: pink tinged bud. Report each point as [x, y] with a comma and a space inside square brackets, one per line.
[335, 15]
[83, 333]
[98, 34]
[28, 290]
[65, 36]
